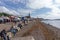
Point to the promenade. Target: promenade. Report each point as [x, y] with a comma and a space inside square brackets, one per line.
[36, 30]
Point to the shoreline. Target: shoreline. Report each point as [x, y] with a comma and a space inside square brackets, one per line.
[39, 31]
[54, 29]
[48, 32]
[51, 25]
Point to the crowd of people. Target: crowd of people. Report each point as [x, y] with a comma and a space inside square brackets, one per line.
[5, 35]
[13, 30]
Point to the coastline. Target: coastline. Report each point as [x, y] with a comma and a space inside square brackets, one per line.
[37, 30]
[41, 31]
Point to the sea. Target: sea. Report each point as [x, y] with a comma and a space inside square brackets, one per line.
[55, 23]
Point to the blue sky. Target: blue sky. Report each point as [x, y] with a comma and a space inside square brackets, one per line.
[48, 9]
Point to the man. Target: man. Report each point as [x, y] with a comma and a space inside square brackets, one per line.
[23, 19]
[13, 30]
[3, 34]
[19, 25]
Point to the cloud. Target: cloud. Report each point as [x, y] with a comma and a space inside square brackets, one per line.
[17, 1]
[37, 4]
[32, 6]
[57, 1]
[54, 14]
[6, 10]
[2, 3]
[3, 9]
[24, 12]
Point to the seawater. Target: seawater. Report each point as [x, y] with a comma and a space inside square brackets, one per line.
[55, 23]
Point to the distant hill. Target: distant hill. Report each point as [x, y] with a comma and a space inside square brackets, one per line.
[56, 19]
[4, 14]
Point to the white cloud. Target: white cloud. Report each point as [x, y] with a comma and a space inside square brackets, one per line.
[4, 9]
[19, 12]
[24, 12]
[54, 14]
[14, 12]
[37, 4]
[17, 1]
[57, 1]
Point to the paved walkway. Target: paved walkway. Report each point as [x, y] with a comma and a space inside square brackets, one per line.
[23, 31]
[37, 30]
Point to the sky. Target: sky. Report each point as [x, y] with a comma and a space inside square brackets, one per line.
[48, 9]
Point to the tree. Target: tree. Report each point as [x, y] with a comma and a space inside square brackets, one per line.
[4, 14]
